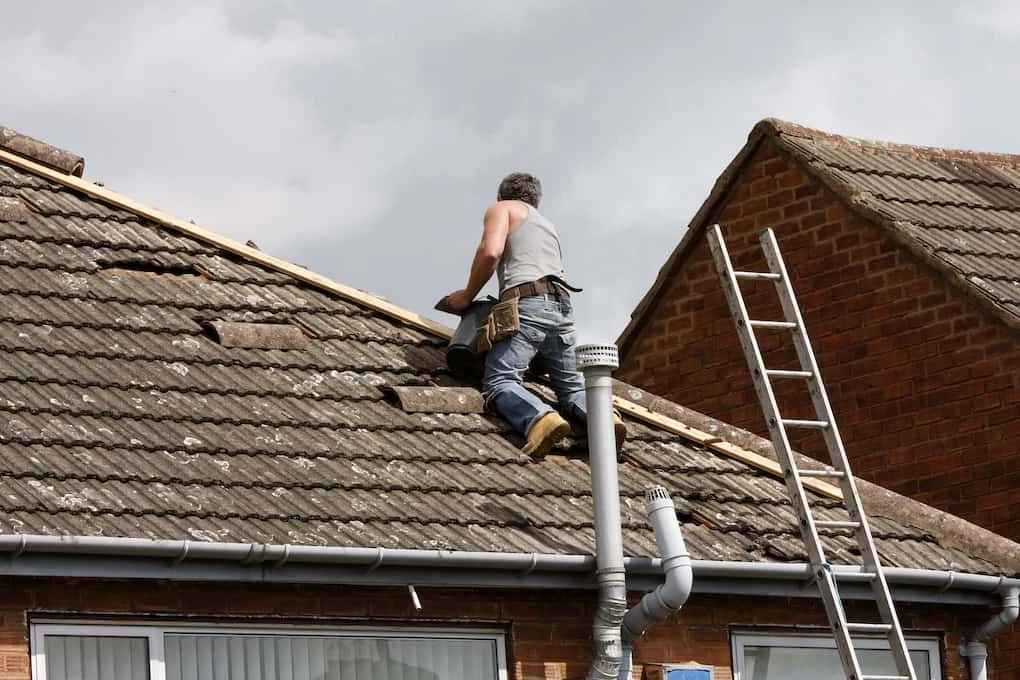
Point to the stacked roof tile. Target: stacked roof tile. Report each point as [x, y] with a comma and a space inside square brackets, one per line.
[120, 415]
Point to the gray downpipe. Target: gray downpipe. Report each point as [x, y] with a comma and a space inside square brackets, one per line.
[597, 362]
[976, 649]
[669, 597]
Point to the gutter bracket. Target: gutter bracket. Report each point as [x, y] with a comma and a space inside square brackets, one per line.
[378, 560]
[283, 560]
[253, 556]
[183, 555]
[20, 550]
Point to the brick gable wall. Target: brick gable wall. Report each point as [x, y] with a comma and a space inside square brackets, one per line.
[925, 384]
[548, 632]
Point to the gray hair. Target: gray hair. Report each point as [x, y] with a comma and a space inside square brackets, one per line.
[520, 186]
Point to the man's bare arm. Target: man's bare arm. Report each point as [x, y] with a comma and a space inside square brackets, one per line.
[487, 255]
[497, 226]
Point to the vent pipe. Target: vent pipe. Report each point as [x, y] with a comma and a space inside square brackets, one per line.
[669, 597]
[597, 362]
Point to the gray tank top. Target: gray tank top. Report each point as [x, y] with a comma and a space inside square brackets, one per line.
[532, 251]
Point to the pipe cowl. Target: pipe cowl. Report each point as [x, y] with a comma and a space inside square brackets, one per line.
[597, 356]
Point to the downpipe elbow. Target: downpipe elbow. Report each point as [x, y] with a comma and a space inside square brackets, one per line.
[1006, 617]
[671, 595]
[975, 650]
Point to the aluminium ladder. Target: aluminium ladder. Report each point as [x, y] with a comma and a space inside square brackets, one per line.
[825, 577]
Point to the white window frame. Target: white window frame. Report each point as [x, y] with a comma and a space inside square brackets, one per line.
[154, 632]
[931, 645]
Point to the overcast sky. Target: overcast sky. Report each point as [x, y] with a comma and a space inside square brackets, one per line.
[364, 139]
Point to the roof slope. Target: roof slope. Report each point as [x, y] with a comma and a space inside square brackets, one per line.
[120, 416]
[957, 210]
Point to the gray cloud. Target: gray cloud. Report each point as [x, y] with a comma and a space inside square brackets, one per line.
[364, 139]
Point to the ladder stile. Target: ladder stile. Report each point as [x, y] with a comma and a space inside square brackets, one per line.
[837, 453]
[825, 422]
[781, 444]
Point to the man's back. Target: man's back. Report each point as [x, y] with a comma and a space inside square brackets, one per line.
[532, 251]
[523, 247]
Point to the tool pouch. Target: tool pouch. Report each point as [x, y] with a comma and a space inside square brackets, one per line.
[503, 321]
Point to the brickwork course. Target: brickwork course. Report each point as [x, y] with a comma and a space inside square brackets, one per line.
[548, 638]
[906, 262]
[907, 265]
[166, 387]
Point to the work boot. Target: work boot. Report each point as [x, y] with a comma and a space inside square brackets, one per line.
[545, 432]
[621, 430]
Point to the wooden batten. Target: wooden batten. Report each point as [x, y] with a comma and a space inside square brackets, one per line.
[212, 238]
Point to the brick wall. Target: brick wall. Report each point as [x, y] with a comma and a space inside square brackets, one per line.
[548, 633]
[924, 383]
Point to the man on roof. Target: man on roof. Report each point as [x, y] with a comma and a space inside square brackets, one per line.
[522, 248]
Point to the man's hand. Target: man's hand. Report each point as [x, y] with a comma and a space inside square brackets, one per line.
[459, 300]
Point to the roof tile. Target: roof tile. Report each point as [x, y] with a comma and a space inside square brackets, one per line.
[118, 417]
[948, 202]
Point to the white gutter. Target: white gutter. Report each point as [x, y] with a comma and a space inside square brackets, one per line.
[975, 650]
[275, 555]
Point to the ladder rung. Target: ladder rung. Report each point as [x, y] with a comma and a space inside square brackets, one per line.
[869, 627]
[782, 373]
[807, 424]
[854, 575]
[836, 524]
[768, 276]
[822, 473]
[868, 571]
[758, 323]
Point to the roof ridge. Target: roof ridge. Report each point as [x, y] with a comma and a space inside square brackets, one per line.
[777, 127]
[788, 137]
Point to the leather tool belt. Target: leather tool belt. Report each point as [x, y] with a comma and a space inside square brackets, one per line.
[505, 319]
[540, 287]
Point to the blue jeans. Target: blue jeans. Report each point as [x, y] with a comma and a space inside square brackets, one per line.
[547, 330]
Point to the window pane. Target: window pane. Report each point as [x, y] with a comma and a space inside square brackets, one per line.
[813, 663]
[282, 657]
[77, 657]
